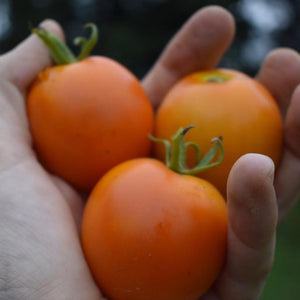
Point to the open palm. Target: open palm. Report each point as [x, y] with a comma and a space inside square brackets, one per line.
[40, 254]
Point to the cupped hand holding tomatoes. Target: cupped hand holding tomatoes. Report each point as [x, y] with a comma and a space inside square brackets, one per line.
[87, 115]
[49, 211]
[151, 233]
[227, 103]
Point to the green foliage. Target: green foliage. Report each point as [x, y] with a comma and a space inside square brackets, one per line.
[283, 282]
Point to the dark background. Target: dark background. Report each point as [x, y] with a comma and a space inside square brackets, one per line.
[134, 32]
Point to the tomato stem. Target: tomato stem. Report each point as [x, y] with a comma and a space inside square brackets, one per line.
[213, 76]
[60, 52]
[87, 45]
[176, 153]
[216, 79]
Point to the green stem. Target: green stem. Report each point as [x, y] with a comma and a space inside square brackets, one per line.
[60, 52]
[87, 45]
[167, 145]
[176, 153]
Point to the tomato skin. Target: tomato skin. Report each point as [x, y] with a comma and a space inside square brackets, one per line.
[241, 110]
[150, 233]
[87, 117]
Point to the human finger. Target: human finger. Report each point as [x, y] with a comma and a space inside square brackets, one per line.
[22, 64]
[280, 74]
[287, 181]
[252, 212]
[199, 44]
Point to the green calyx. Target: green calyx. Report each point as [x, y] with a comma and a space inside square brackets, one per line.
[213, 76]
[60, 52]
[176, 153]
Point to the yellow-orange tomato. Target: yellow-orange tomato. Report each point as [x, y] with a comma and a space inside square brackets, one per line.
[149, 233]
[227, 103]
[88, 116]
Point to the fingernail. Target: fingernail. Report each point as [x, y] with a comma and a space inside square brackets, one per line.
[270, 167]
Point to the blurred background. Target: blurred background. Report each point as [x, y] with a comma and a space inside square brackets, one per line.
[134, 32]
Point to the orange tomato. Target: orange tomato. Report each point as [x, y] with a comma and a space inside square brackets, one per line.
[150, 233]
[227, 103]
[88, 116]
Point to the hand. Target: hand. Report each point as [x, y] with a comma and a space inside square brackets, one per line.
[40, 254]
[252, 203]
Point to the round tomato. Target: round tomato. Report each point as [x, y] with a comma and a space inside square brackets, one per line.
[223, 103]
[150, 233]
[88, 116]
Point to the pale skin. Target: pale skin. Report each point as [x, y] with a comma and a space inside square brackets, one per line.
[40, 215]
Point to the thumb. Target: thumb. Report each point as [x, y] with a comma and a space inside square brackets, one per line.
[22, 64]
